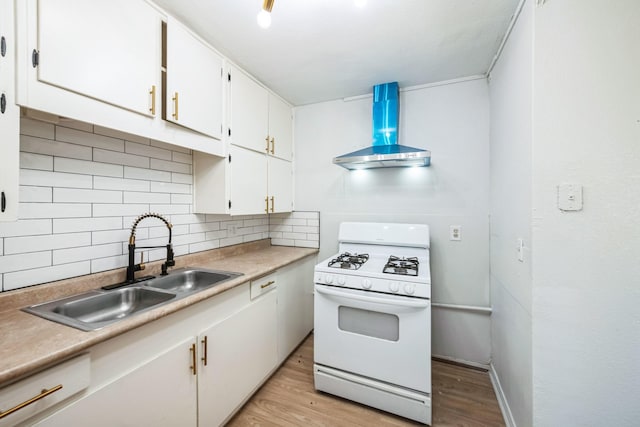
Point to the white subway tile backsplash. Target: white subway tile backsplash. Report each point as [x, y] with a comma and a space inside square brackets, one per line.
[89, 139]
[142, 197]
[165, 187]
[181, 199]
[35, 276]
[26, 261]
[62, 164]
[147, 150]
[37, 128]
[114, 209]
[83, 186]
[35, 194]
[110, 236]
[294, 236]
[124, 159]
[105, 183]
[181, 178]
[30, 144]
[53, 210]
[17, 245]
[36, 161]
[25, 227]
[148, 174]
[74, 195]
[169, 166]
[120, 135]
[65, 256]
[54, 179]
[67, 225]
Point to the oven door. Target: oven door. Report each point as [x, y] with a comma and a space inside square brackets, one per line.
[380, 336]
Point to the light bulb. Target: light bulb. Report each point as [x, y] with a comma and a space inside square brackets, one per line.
[264, 19]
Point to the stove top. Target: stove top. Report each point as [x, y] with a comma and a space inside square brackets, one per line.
[348, 261]
[402, 266]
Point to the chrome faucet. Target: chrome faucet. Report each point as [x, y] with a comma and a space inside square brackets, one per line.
[133, 267]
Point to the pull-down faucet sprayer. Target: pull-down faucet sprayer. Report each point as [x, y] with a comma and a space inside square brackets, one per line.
[133, 267]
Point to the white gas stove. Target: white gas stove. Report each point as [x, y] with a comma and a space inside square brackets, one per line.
[372, 306]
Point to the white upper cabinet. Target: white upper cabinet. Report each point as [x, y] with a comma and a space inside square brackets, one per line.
[280, 129]
[194, 82]
[248, 178]
[249, 112]
[280, 179]
[104, 50]
[9, 118]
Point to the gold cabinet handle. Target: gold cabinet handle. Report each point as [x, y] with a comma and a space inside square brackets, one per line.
[44, 393]
[152, 92]
[204, 350]
[273, 145]
[194, 366]
[267, 139]
[175, 106]
[272, 203]
[266, 204]
[266, 285]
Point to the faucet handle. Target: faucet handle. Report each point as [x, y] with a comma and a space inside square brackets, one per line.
[141, 265]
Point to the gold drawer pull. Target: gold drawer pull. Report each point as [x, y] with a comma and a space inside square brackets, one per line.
[194, 366]
[267, 139]
[273, 145]
[204, 345]
[272, 203]
[152, 92]
[266, 285]
[266, 204]
[42, 395]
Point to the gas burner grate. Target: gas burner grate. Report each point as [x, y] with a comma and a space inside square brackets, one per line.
[349, 261]
[402, 266]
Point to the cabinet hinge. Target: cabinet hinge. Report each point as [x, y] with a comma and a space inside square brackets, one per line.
[229, 204]
[229, 76]
[229, 158]
[229, 131]
[35, 58]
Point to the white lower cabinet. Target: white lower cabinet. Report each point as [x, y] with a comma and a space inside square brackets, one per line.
[172, 372]
[154, 394]
[241, 354]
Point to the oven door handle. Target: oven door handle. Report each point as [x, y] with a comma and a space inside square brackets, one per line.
[412, 304]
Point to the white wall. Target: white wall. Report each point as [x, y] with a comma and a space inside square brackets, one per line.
[511, 90]
[453, 122]
[586, 293]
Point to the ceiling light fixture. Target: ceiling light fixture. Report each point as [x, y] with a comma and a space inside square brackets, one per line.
[264, 16]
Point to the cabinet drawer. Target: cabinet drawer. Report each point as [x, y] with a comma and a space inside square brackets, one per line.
[263, 285]
[43, 390]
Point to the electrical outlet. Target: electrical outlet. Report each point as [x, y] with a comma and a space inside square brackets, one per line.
[455, 232]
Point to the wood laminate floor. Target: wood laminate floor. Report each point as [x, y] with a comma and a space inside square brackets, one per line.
[462, 397]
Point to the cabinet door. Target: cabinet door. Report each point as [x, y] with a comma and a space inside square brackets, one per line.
[162, 392]
[104, 50]
[241, 353]
[280, 128]
[9, 119]
[280, 185]
[248, 105]
[194, 82]
[248, 181]
[295, 305]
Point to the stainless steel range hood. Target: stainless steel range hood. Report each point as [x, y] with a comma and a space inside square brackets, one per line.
[385, 152]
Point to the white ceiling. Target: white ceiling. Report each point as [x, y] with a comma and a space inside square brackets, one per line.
[318, 50]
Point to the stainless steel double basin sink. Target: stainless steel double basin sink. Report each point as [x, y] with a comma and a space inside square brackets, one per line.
[93, 310]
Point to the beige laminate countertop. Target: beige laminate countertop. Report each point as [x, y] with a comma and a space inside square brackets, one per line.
[29, 343]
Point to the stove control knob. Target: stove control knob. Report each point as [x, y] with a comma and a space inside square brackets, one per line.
[320, 278]
[394, 287]
[366, 283]
[341, 280]
[329, 279]
[409, 288]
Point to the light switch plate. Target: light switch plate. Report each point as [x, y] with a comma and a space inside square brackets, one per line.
[570, 197]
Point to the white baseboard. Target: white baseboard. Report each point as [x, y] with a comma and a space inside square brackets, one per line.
[502, 399]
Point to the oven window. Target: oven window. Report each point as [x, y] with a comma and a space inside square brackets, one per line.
[370, 323]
